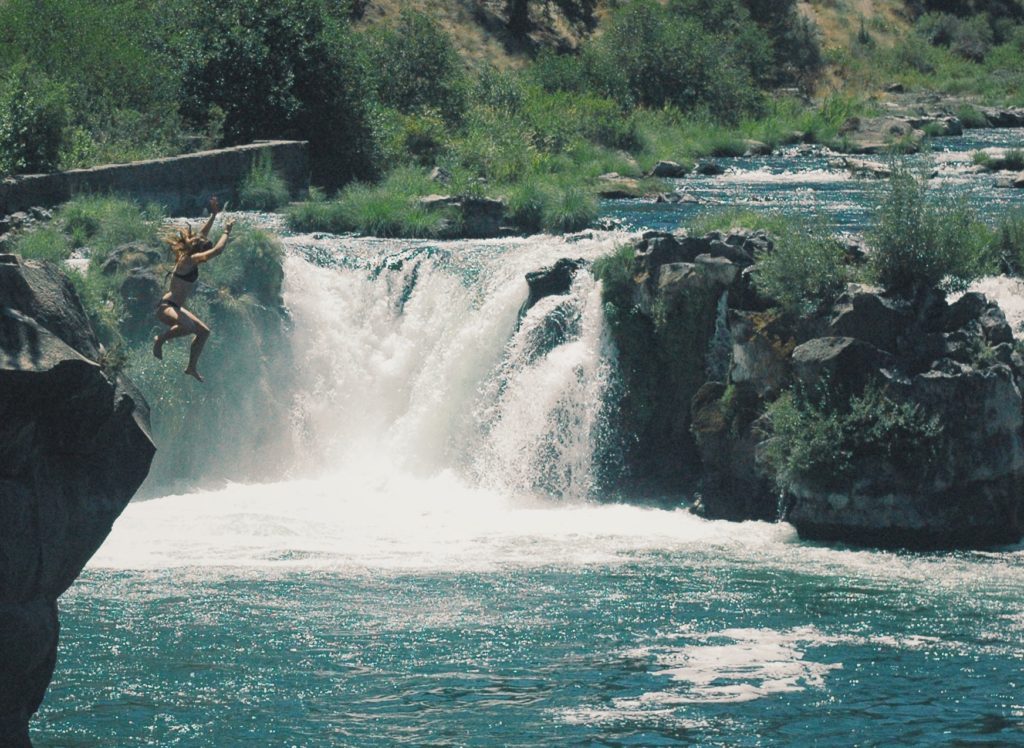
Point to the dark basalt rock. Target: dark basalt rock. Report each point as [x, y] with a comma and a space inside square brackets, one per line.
[967, 496]
[74, 447]
[669, 170]
[724, 425]
[844, 363]
[477, 217]
[1003, 117]
[865, 314]
[555, 280]
[709, 169]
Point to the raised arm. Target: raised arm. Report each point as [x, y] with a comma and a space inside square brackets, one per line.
[214, 210]
[201, 257]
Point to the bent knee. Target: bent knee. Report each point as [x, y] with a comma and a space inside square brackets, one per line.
[202, 331]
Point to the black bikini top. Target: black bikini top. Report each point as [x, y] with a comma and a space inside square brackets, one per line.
[190, 277]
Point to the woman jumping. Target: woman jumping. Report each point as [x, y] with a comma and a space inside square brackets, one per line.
[190, 251]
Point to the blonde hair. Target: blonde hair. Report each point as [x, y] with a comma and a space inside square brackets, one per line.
[184, 243]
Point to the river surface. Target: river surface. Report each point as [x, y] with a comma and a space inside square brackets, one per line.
[434, 570]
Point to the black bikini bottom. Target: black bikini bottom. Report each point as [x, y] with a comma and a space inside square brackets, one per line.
[168, 302]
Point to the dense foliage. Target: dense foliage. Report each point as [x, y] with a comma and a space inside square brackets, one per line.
[816, 436]
[922, 241]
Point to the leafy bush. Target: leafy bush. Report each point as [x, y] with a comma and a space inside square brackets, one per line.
[33, 114]
[385, 209]
[43, 243]
[615, 271]
[568, 207]
[100, 223]
[252, 263]
[805, 271]
[816, 439]
[971, 38]
[263, 188]
[922, 242]
[971, 117]
[727, 219]
[316, 213]
[290, 68]
[1008, 242]
[104, 222]
[652, 56]
[414, 66]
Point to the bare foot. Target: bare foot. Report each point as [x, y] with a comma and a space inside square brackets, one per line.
[158, 347]
[194, 373]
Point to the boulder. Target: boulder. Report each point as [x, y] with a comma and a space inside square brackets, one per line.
[840, 363]
[1003, 117]
[669, 170]
[937, 125]
[756, 148]
[878, 135]
[863, 313]
[709, 169]
[614, 186]
[657, 248]
[862, 168]
[1009, 181]
[761, 350]
[130, 256]
[475, 217]
[733, 486]
[74, 446]
[440, 175]
[975, 308]
[554, 280]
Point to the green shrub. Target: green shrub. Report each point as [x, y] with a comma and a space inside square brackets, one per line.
[569, 207]
[727, 219]
[102, 303]
[252, 263]
[1008, 242]
[43, 243]
[105, 222]
[971, 117]
[263, 188]
[615, 271]
[653, 56]
[386, 209]
[816, 439]
[99, 223]
[33, 114]
[805, 271]
[316, 213]
[414, 66]
[526, 201]
[280, 69]
[1013, 160]
[922, 242]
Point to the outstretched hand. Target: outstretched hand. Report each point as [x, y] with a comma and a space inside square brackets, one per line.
[214, 206]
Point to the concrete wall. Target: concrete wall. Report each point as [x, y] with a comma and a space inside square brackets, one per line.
[182, 184]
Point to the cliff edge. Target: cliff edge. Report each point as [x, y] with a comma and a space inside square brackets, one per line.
[74, 447]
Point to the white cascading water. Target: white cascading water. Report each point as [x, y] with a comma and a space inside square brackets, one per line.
[431, 425]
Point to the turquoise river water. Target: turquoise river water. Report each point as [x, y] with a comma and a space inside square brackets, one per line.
[434, 570]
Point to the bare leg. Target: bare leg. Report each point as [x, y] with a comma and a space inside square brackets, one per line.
[175, 331]
[197, 348]
[177, 326]
[202, 334]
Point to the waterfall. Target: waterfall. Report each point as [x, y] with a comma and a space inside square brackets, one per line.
[412, 356]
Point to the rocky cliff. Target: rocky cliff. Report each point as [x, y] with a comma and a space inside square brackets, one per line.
[915, 404]
[74, 447]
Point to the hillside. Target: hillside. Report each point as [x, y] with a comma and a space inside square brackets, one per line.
[480, 28]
